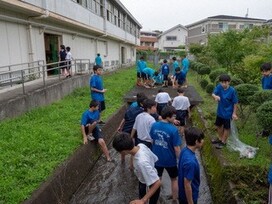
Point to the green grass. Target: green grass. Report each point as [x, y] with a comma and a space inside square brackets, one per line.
[34, 144]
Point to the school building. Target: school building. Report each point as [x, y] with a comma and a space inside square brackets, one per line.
[33, 30]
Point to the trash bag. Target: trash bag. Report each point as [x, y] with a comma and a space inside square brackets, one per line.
[235, 144]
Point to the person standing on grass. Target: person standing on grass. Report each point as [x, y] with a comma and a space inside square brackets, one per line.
[182, 105]
[166, 146]
[144, 167]
[227, 100]
[97, 89]
[90, 130]
[98, 60]
[188, 167]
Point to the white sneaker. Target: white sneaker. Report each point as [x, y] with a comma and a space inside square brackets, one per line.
[90, 137]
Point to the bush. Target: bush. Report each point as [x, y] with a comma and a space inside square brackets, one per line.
[198, 66]
[209, 88]
[236, 81]
[204, 70]
[264, 116]
[203, 83]
[193, 65]
[260, 97]
[216, 73]
[245, 91]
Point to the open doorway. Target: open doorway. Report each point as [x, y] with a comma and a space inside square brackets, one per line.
[123, 55]
[52, 43]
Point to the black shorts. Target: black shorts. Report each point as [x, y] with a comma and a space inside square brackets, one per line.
[172, 171]
[181, 116]
[96, 132]
[160, 106]
[102, 106]
[222, 122]
[165, 77]
[143, 75]
[139, 75]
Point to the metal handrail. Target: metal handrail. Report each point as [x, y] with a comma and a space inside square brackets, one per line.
[32, 73]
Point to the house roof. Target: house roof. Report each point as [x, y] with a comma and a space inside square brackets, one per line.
[225, 17]
[148, 39]
[171, 29]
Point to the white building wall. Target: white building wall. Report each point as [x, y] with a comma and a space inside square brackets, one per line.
[181, 35]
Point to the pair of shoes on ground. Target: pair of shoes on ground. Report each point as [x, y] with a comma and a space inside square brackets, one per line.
[101, 122]
[219, 144]
[90, 137]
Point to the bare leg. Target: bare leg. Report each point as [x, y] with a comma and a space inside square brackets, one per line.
[104, 148]
[220, 132]
[174, 186]
[225, 135]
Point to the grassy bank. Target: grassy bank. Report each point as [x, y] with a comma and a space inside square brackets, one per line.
[248, 176]
[34, 144]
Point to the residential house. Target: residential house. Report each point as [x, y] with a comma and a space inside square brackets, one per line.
[198, 32]
[173, 38]
[148, 40]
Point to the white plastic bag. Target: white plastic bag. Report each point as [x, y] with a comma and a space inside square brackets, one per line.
[235, 144]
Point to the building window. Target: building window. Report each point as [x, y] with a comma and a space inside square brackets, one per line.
[171, 38]
[223, 26]
[203, 29]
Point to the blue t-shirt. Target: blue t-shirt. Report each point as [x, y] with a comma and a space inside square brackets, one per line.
[228, 98]
[175, 65]
[188, 168]
[185, 65]
[89, 117]
[180, 77]
[158, 79]
[165, 137]
[270, 175]
[267, 82]
[130, 116]
[96, 82]
[141, 64]
[150, 72]
[98, 61]
[165, 69]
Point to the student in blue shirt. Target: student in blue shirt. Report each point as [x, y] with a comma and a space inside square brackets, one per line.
[166, 146]
[227, 99]
[267, 76]
[98, 60]
[148, 74]
[165, 72]
[188, 167]
[90, 130]
[141, 64]
[185, 67]
[97, 89]
[179, 78]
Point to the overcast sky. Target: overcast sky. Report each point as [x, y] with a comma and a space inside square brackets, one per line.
[165, 14]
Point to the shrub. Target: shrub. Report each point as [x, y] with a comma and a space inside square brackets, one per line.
[204, 70]
[264, 116]
[260, 97]
[236, 81]
[203, 83]
[216, 73]
[198, 66]
[244, 91]
[193, 65]
[209, 88]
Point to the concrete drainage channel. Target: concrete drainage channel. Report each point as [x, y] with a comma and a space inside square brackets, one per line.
[86, 177]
